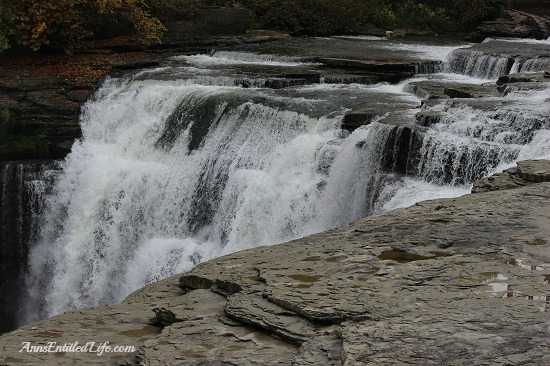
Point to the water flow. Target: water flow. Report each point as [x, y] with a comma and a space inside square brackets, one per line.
[171, 173]
[478, 64]
[185, 163]
[469, 143]
[22, 188]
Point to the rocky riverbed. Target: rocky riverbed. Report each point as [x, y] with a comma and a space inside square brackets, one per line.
[449, 281]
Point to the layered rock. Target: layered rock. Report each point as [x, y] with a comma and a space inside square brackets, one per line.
[525, 173]
[462, 280]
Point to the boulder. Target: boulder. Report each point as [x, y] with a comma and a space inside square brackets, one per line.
[514, 23]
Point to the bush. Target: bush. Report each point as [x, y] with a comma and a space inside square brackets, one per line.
[63, 24]
[324, 17]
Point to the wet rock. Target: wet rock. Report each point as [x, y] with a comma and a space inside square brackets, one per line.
[309, 77]
[428, 67]
[401, 151]
[283, 83]
[457, 93]
[440, 90]
[427, 118]
[21, 200]
[521, 78]
[356, 119]
[425, 90]
[385, 71]
[350, 79]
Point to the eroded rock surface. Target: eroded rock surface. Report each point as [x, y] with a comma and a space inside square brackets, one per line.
[444, 282]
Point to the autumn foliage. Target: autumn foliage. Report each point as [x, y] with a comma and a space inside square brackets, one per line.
[63, 24]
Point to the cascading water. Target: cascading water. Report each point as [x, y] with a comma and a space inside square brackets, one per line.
[172, 173]
[478, 64]
[187, 162]
[470, 143]
[22, 188]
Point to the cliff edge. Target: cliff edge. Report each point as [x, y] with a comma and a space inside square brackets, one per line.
[444, 282]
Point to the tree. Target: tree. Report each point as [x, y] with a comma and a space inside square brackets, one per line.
[63, 24]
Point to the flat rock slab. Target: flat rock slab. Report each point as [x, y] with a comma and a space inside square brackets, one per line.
[444, 282]
[442, 90]
[526, 172]
[535, 170]
[513, 49]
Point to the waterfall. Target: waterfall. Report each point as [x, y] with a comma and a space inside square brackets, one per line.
[22, 188]
[197, 159]
[171, 173]
[468, 143]
[533, 65]
[428, 67]
[478, 64]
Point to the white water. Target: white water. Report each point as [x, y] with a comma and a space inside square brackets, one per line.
[218, 58]
[170, 173]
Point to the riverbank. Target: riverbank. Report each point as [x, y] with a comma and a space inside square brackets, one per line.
[453, 280]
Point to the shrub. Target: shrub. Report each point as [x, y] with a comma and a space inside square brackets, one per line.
[63, 24]
[321, 17]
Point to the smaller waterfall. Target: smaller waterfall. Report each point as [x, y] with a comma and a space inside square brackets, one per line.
[428, 67]
[533, 65]
[22, 188]
[467, 143]
[478, 64]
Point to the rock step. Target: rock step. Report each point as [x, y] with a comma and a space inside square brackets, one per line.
[439, 90]
[526, 172]
[272, 83]
[386, 71]
[427, 118]
[522, 78]
[350, 79]
[356, 119]
[535, 171]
